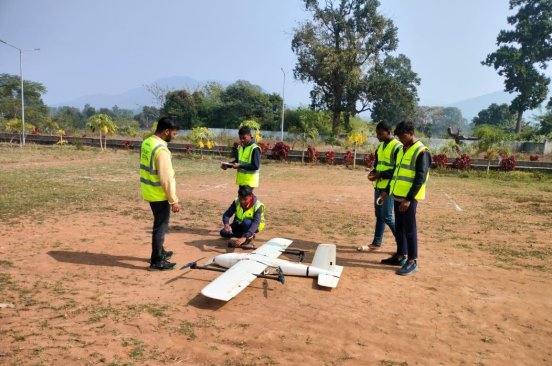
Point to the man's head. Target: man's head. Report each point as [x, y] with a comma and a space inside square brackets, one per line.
[405, 132]
[166, 129]
[244, 195]
[383, 131]
[245, 135]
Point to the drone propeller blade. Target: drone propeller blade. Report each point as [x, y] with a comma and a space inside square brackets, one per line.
[191, 264]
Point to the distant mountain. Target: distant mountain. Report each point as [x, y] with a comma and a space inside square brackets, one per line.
[471, 107]
[135, 98]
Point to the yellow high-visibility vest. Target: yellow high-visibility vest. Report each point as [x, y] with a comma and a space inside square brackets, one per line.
[386, 160]
[250, 212]
[150, 183]
[405, 171]
[247, 177]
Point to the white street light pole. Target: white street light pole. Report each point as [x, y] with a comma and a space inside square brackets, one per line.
[283, 103]
[22, 92]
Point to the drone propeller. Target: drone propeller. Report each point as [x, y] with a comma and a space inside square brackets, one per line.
[191, 265]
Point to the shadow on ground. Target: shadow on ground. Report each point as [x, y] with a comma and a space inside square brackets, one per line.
[98, 259]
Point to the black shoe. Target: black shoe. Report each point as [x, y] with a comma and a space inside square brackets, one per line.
[394, 260]
[167, 255]
[162, 266]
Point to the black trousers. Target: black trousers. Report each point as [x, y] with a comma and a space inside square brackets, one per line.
[406, 230]
[161, 214]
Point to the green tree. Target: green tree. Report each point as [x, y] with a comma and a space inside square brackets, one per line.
[147, 117]
[245, 101]
[435, 121]
[393, 90]
[307, 128]
[181, 105]
[496, 115]
[522, 52]
[104, 124]
[69, 118]
[336, 51]
[545, 121]
[489, 141]
[36, 112]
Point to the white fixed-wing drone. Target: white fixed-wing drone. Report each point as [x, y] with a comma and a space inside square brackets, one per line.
[243, 268]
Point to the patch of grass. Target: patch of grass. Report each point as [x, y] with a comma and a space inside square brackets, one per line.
[138, 347]
[98, 313]
[187, 328]
[393, 363]
[155, 310]
[5, 263]
[464, 246]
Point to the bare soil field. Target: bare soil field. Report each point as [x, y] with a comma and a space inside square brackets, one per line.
[74, 289]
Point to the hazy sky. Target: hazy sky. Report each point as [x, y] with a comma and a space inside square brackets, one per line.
[110, 46]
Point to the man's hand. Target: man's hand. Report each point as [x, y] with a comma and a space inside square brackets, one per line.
[383, 196]
[176, 207]
[227, 228]
[235, 165]
[372, 176]
[404, 206]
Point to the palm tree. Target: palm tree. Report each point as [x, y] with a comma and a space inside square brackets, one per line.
[104, 124]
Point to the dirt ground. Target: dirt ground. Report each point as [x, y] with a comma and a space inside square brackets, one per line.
[81, 293]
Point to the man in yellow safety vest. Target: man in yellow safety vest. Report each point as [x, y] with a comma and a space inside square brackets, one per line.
[407, 186]
[247, 161]
[384, 165]
[249, 219]
[158, 186]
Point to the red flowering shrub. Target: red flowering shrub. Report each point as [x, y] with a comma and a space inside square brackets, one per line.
[370, 159]
[330, 157]
[187, 149]
[440, 161]
[264, 147]
[126, 144]
[348, 158]
[37, 131]
[280, 151]
[508, 163]
[535, 157]
[312, 154]
[463, 162]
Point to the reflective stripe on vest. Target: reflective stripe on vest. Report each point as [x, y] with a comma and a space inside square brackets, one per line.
[405, 171]
[150, 184]
[250, 212]
[386, 161]
[247, 177]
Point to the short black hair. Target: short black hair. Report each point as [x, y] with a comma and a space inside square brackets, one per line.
[384, 125]
[244, 130]
[244, 191]
[404, 127]
[165, 123]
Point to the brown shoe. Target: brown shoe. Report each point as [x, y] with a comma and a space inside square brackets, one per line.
[249, 243]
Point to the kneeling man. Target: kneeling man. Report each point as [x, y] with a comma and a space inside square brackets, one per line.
[249, 219]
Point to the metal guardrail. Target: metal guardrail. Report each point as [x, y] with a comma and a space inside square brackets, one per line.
[226, 152]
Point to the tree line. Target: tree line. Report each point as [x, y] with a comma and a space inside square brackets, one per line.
[347, 50]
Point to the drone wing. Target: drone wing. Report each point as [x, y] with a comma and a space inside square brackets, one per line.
[234, 280]
[273, 248]
[241, 274]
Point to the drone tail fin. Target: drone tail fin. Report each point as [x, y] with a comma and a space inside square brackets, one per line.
[324, 257]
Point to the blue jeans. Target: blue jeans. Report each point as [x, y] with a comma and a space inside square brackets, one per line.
[384, 216]
[237, 229]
